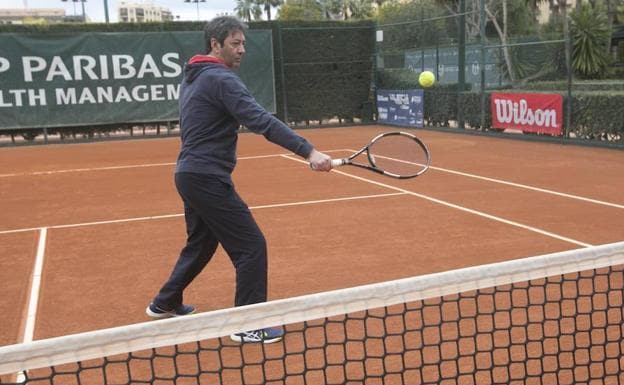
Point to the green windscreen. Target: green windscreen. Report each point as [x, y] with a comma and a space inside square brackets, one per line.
[103, 78]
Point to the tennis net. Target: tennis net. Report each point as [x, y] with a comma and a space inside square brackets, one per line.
[551, 319]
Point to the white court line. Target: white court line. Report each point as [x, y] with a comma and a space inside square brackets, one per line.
[457, 207]
[33, 302]
[122, 167]
[36, 279]
[85, 169]
[156, 217]
[527, 187]
[512, 184]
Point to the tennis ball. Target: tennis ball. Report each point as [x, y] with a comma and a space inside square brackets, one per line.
[426, 79]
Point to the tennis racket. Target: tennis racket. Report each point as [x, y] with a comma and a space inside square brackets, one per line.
[395, 154]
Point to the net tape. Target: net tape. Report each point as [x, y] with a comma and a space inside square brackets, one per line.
[176, 331]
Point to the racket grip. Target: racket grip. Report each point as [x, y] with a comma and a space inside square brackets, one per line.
[338, 162]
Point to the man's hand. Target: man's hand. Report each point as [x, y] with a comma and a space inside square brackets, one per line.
[319, 161]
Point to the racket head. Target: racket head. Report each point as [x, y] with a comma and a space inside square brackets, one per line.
[399, 155]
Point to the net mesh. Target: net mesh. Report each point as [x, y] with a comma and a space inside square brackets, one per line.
[555, 319]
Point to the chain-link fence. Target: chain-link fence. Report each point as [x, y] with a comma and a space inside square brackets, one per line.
[497, 62]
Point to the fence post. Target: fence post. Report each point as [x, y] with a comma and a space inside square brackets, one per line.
[482, 33]
[461, 63]
[283, 76]
[568, 57]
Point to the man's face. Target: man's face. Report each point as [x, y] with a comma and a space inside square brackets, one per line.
[232, 50]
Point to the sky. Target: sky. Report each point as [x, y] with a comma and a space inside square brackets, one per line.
[94, 9]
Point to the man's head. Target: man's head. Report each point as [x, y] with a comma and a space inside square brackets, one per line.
[225, 39]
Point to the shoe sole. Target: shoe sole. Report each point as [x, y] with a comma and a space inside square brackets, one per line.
[154, 315]
[237, 338]
[150, 313]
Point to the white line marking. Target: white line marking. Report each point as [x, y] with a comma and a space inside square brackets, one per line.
[33, 302]
[34, 173]
[156, 217]
[531, 188]
[326, 200]
[512, 184]
[122, 167]
[461, 208]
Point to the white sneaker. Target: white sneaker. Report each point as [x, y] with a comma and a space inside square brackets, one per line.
[266, 336]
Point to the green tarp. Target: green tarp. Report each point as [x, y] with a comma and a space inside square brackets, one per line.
[106, 78]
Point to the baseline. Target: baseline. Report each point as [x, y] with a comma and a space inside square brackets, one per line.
[130, 166]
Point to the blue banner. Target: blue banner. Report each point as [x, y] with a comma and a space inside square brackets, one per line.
[400, 107]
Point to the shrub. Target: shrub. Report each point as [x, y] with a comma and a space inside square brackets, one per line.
[590, 36]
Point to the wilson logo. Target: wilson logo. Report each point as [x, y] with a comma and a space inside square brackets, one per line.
[509, 111]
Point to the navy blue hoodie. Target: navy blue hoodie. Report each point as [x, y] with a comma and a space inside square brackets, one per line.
[214, 102]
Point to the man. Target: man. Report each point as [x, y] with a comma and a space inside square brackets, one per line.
[213, 104]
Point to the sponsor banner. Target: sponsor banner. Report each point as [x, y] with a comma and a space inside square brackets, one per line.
[400, 107]
[538, 113]
[105, 78]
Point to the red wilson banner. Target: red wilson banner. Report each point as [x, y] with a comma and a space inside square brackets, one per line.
[539, 113]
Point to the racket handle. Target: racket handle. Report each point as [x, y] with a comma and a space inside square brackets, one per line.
[335, 163]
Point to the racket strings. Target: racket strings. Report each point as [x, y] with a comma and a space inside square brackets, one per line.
[398, 154]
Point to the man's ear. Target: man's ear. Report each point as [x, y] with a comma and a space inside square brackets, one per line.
[214, 43]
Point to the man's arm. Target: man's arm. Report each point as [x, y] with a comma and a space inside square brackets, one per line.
[246, 110]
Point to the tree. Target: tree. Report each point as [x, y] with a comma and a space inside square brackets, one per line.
[331, 8]
[268, 4]
[301, 10]
[357, 9]
[404, 28]
[507, 17]
[612, 17]
[248, 10]
[589, 37]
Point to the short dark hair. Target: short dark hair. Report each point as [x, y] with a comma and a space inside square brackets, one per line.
[221, 27]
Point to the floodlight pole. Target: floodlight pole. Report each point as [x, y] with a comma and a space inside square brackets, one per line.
[84, 15]
[106, 11]
[197, 4]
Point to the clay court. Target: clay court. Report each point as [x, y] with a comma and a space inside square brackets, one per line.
[105, 221]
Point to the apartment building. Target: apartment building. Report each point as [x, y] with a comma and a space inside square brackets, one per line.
[31, 15]
[142, 11]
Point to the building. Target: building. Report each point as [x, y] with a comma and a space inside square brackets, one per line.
[142, 11]
[31, 15]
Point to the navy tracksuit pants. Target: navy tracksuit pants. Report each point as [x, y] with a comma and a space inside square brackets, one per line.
[215, 213]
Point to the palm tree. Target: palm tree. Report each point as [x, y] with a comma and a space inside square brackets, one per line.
[357, 9]
[248, 10]
[268, 4]
[330, 7]
[534, 5]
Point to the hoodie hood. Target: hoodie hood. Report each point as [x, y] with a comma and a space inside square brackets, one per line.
[197, 64]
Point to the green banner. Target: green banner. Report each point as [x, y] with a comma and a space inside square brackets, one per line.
[106, 78]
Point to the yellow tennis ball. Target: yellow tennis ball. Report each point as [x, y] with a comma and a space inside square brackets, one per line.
[426, 79]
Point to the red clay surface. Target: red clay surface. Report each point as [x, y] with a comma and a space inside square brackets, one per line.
[103, 275]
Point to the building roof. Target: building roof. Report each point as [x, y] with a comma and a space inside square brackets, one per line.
[32, 12]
